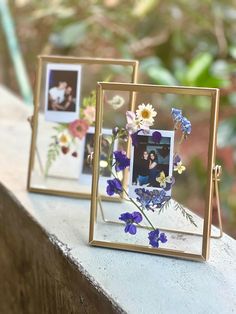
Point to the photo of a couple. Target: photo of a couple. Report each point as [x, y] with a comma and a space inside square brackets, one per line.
[149, 166]
[149, 160]
[62, 91]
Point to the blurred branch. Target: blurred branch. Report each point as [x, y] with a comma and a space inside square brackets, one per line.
[139, 46]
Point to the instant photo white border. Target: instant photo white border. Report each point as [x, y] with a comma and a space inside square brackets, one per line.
[82, 175]
[63, 116]
[164, 133]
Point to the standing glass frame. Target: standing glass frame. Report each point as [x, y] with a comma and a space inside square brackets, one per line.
[187, 227]
[63, 121]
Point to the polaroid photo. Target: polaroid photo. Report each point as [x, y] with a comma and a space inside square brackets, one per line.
[62, 92]
[86, 166]
[149, 159]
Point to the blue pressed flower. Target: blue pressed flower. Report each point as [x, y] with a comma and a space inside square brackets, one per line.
[156, 136]
[151, 200]
[144, 198]
[159, 197]
[155, 237]
[122, 161]
[130, 219]
[114, 187]
[186, 126]
[176, 114]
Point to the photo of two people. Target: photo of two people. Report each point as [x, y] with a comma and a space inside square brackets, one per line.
[62, 92]
[149, 159]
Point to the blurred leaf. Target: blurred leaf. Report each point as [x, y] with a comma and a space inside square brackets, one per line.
[227, 133]
[161, 76]
[70, 36]
[148, 63]
[198, 67]
[143, 7]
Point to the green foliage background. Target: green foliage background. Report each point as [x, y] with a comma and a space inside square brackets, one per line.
[178, 42]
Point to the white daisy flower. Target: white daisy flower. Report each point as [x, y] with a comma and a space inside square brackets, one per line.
[133, 124]
[64, 138]
[146, 113]
[163, 179]
[179, 167]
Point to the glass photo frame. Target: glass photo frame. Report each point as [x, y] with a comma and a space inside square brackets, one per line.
[64, 118]
[160, 196]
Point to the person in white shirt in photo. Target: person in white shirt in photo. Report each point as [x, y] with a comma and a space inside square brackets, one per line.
[57, 95]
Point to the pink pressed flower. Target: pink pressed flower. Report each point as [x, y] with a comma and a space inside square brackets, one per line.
[89, 114]
[78, 128]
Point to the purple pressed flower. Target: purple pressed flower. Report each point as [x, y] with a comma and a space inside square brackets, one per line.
[186, 126]
[155, 237]
[114, 187]
[176, 114]
[122, 161]
[156, 136]
[130, 219]
[169, 185]
[176, 160]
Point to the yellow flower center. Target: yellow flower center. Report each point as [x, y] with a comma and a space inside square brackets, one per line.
[146, 114]
[63, 138]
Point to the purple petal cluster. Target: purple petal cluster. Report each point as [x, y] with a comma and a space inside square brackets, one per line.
[130, 219]
[151, 200]
[122, 161]
[134, 137]
[114, 187]
[176, 160]
[156, 136]
[155, 237]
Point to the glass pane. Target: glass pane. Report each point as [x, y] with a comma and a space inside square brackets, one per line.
[166, 184]
[65, 123]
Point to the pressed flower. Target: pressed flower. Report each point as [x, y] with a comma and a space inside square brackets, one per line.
[146, 113]
[89, 114]
[116, 102]
[155, 237]
[186, 126]
[114, 187]
[176, 160]
[122, 161]
[151, 200]
[156, 136]
[130, 219]
[78, 128]
[179, 167]
[163, 180]
[176, 114]
[74, 154]
[134, 124]
[103, 164]
[64, 139]
[65, 149]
